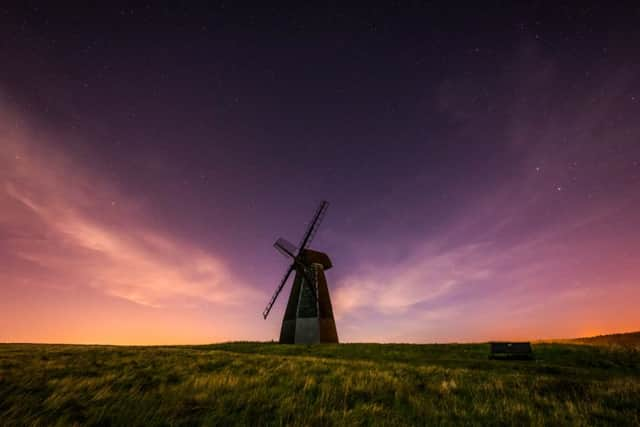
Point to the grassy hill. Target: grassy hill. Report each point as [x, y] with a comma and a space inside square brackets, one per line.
[626, 340]
[347, 384]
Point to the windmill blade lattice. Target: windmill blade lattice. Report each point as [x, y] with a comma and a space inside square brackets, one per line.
[313, 225]
[267, 309]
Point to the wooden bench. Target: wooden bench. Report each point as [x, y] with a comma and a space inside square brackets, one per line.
[511, 350]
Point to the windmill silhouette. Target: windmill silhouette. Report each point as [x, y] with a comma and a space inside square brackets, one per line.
[308, 317]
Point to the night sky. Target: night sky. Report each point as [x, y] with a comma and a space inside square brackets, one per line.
[482, 165]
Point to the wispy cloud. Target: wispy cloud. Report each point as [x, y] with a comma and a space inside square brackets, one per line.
[424, 276]
[78, 231]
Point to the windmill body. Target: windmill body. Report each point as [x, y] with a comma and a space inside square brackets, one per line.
[308, 318]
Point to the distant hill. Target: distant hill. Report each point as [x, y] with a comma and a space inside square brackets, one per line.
[631, 339]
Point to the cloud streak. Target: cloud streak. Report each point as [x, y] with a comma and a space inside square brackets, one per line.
[64, 227]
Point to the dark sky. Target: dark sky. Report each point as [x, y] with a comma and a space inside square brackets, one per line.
[482, 165]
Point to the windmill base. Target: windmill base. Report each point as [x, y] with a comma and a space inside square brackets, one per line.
[306, 331]
[309, 330]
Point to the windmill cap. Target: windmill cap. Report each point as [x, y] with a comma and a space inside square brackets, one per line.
[314, 257]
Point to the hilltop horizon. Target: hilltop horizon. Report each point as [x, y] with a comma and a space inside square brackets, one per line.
[600, 338]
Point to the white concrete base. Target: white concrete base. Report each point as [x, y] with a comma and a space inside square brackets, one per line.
[307, 330]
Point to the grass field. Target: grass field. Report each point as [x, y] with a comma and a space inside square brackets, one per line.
[347, 384]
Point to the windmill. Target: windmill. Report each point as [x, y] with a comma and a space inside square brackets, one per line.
[308, 317]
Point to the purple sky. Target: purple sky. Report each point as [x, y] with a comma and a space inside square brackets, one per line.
[483, 170]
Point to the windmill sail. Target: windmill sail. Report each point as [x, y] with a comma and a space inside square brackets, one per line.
[285, 247]
[313, 225]
[267, 309]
